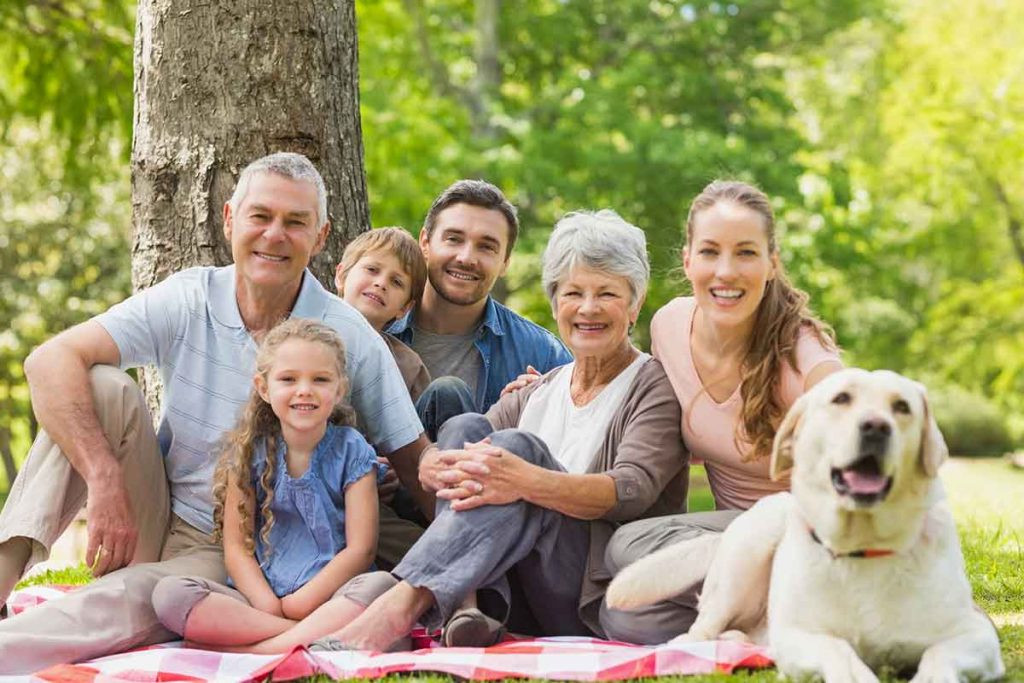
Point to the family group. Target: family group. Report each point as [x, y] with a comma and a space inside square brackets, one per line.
[329, 470]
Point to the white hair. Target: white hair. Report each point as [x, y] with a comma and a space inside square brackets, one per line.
[601, 241]
[289, 165]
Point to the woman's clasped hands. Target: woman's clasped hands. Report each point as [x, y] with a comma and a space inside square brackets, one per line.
[481, 474]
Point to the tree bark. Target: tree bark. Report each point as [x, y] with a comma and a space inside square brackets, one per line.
[218, 84]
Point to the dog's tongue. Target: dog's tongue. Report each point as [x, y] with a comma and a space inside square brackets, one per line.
[859, 482]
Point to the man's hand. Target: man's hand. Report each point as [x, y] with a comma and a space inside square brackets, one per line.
[529, 377]
[110, 525]
[389, 484]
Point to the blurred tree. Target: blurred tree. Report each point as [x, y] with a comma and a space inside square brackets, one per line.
[917, 120]
[571, 104]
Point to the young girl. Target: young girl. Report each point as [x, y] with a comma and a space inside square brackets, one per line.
[296, 499]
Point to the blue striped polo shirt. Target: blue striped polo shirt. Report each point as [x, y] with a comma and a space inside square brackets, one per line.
[189, 327]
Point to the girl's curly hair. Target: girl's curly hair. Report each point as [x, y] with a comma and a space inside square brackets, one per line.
[259, 424]
[781, 315]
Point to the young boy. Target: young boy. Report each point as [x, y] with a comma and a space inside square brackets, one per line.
[382, 274]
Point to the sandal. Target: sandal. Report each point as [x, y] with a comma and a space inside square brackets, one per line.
[470, 627]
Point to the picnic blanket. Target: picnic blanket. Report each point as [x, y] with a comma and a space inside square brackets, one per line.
[563, 658]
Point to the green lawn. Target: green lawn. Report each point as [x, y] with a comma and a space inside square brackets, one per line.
[987, 496]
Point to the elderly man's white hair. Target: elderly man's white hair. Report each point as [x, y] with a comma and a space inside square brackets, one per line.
[601, 241]
[289, 165]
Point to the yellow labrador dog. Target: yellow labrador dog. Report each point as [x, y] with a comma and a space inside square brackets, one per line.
[859, 567]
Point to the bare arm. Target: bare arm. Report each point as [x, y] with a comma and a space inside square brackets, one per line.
[820, 372]
[406, 462]
[241, 564]
[355, 558]
[58, 379]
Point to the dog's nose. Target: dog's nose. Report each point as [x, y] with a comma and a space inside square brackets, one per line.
[875, 428]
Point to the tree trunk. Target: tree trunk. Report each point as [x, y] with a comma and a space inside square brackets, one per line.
[218, 84]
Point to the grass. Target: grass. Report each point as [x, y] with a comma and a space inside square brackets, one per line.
[987, 497]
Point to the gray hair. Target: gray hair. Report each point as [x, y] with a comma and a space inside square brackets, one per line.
[289, 165]
[602, 241]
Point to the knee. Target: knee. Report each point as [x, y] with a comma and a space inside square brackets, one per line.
[527, 446]
[110, 383]
[173, 599]
[647, 626]
[366, 588]
[447, 387]
[621, 551]
[459, 429]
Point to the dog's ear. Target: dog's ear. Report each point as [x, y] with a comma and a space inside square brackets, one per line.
[933, 446]
[782, 448]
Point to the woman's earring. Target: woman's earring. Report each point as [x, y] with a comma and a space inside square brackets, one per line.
[632, 324]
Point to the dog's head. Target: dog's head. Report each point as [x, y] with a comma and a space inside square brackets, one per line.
[859, 439]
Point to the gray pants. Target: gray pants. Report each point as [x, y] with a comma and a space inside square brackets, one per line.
[461, 552]
[175, 596]
[113, 613]
[665, 620]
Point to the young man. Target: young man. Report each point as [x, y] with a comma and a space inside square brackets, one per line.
[201, 327]
[472, 345]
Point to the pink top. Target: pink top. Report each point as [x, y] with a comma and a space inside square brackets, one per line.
[709, 428]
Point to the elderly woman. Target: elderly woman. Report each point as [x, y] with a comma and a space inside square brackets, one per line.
[533, 490]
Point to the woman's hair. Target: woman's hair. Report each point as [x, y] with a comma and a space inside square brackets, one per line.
[781, 315]
[396, 242]
[602, 241]
[259, 424]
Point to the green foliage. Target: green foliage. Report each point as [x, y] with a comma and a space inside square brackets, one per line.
[971, 423]
[70, 576]
[69, 63]
[64, 257]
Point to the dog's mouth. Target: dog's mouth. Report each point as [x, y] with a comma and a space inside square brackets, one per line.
[863, 481]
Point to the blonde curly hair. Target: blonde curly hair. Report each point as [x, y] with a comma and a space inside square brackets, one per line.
[781, 315]
[259, 424]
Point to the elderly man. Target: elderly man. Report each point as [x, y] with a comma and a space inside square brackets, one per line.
[148, 492]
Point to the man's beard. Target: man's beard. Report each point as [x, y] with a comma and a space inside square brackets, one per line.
[436, 278]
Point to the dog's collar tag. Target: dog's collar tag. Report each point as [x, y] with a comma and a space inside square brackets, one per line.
[866, 553]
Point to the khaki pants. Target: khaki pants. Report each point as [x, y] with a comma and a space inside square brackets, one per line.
[114, 613]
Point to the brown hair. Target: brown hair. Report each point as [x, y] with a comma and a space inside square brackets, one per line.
[475, 193]
[395, 241]
[259, 423]
[781, 315]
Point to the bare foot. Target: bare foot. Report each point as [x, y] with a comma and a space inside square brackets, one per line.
[388, 618]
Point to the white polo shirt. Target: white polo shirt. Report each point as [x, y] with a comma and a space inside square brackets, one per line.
[189, 327]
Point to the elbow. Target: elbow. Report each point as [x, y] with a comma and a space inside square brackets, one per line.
[37, 360]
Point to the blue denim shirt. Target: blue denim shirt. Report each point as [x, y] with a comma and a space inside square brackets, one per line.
[309, 511]
[507, 343]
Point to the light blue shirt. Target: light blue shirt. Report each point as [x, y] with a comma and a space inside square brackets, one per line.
[309, 511]
[507, 343]
[189, 326]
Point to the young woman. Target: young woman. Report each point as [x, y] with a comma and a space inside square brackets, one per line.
[738, 353]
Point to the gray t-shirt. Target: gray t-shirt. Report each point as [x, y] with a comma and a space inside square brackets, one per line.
[449, 355]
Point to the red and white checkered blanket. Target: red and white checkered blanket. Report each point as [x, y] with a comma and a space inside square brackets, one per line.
[584, 659]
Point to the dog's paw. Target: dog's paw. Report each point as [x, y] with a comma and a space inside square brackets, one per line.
[929, 672]
[849, 669]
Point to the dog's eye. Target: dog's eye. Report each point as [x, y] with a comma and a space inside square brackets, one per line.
[842, 398]
[901, 406]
